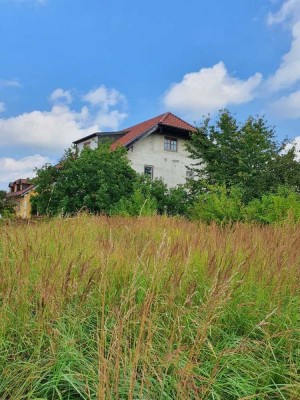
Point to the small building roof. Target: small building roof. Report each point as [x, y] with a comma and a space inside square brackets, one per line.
[20, 181]
[133, 133]
[137, 131]
[20, 192]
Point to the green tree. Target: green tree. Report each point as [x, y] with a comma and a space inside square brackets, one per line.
[94, 180]
[246, 155]
[6, 205]
[283, 170]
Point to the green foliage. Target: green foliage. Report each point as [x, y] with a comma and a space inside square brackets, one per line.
[94, 180]
[241, 155]
[154, 189]
[6, 205]
[179, 200]
[223, 205]
[282, 206]
[47, 199]
[135, 205]
[218, 204]
[152, 196]
[283, 170]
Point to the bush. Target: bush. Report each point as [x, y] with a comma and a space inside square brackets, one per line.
[136, 205]
[218, 205]
[282, 206]
[223, 206]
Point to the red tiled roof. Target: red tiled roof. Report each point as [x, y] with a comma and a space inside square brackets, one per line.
[20, 192]
[135, 131]
[18, 181]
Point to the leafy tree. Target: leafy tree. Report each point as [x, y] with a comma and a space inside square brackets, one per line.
[241, 155]
[6, 205]
[283, 170]
[179, 200]
[47, 199]
[94, 180]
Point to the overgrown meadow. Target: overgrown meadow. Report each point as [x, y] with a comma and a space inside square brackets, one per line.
[149, 308]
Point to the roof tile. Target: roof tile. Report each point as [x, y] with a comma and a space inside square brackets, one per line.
[135, 131]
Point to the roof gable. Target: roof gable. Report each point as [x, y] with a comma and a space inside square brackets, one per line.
[136, 131]
[20, 192]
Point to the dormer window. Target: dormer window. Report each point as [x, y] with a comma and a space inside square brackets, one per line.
[170, 144]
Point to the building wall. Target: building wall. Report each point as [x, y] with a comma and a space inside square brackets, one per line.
[23, 206]
[168, 165]
[93, 143]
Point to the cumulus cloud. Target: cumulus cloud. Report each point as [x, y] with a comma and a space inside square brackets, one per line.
[12, 168]
[59, 95]
[104, 97]
[210, 89]
[288, 10]
[56, 129]
[287, 106]
[288, 72]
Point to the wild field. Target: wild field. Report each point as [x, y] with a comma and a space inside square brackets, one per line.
[154, 308]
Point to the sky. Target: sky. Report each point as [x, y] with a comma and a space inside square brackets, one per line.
[69, 68]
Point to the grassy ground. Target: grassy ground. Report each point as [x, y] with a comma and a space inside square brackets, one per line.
[157, 308]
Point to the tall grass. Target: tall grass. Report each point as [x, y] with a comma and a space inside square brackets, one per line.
[154, 308]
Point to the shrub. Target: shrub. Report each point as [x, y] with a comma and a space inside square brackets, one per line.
[281, 206]
[136, 205]
[218, 204]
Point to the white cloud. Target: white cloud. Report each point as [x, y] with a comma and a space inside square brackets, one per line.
[289, 10]
[59, 95]
[104, 97]
[209, 90]
[288, 72]
[55, 130]
[287, 106]
[9, 83]
[2, 106]
[12, 169]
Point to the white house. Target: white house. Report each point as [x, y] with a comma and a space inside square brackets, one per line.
[155, 147]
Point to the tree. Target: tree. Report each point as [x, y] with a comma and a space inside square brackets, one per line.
[94, 180]
[240, 155]
[6, 205]
[284, 170]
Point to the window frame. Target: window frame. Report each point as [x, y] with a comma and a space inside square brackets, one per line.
[169, 142]
[148, 166]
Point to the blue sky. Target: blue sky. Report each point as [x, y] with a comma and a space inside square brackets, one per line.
[69, 68]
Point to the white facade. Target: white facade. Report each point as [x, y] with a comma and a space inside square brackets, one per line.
[92, 143]
[168, 165]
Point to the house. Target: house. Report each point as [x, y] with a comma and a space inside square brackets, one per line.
[155, 147]
[20, 192]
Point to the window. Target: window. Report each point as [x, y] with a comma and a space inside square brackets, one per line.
[87, 145]
[148, 170]
[170, 144]
[189, 174]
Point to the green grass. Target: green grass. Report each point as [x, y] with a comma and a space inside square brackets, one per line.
[149, 308]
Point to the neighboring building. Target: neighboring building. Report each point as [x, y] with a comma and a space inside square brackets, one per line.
[20, 192]
[156, 147]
